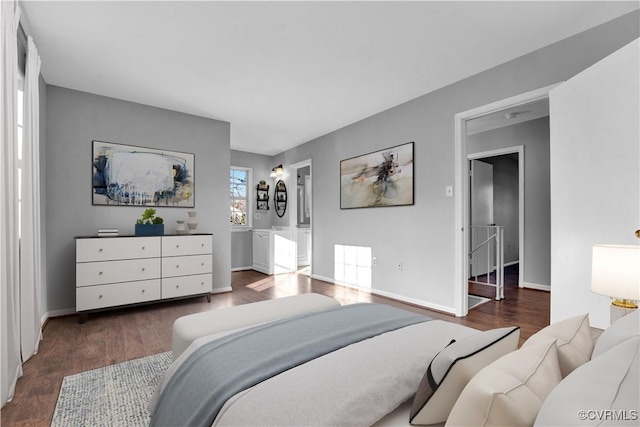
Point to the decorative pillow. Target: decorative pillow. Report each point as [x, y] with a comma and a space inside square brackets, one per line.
[510, 391]
[621, 330]
[601, 392]
[453, 367]
[574, 340]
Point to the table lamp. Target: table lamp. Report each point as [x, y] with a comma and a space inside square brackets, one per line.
[615, 272]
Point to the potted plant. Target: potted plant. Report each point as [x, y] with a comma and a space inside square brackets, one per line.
[149, 224]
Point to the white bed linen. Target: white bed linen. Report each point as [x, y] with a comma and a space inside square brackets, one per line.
[356, 385]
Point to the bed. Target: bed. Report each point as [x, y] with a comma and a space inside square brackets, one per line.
[404, 369]
[358, 364]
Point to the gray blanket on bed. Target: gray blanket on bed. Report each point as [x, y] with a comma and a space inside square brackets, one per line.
[220, 369]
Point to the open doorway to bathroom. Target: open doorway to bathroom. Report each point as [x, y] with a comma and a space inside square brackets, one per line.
[301, 215]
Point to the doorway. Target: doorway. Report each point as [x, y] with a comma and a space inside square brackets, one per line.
[462, 122]
[301, 216]
[496, 207]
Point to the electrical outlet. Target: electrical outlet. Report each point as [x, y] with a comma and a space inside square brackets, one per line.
[374, 261]
[256, 215]
[448, 191]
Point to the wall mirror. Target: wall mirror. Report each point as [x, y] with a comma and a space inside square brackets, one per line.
[280, 198]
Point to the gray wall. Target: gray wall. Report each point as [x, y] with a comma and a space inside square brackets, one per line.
[241, 241]
[534, 135]
[505, 201]
[423, 236]
[73, 120]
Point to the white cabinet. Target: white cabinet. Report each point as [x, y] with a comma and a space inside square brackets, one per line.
[262, 255]
[304, 246]
[274, 251]
[114, 271]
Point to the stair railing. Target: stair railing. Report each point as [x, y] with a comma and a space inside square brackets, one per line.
[494, 234]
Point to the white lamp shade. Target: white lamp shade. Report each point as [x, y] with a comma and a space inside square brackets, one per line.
[616, 271]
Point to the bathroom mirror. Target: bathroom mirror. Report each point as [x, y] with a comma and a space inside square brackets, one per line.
[280, 198]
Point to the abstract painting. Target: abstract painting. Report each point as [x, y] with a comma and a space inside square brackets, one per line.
[126, 175]
[381, 178]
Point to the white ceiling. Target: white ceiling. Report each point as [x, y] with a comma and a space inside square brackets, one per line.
[283, 73]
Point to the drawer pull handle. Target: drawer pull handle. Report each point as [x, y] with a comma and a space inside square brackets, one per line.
[100, 273]
[143, 291]
[203, 264]
[143, 269]
[100, 297]
[143, 248]
[100, 250]
[177, 246]
[177, 286]
[202, 283]
[177, 266]
[202, 245]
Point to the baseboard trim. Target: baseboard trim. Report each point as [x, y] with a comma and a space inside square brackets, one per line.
[391, 295]
[241, 268]
[56, 313]
[222, 290]
[537, 286]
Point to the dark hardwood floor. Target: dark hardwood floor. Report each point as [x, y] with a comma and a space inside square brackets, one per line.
[115, 336]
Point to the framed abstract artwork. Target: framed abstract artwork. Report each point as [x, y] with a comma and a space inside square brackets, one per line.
[381, 178]
[126, 175]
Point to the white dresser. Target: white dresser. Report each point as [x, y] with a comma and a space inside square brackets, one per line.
[114, 271]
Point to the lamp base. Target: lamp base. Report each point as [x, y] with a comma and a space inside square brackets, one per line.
[618, 311]
[625, 303]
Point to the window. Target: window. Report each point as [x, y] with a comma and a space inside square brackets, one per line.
[240, 207]
[19, 152]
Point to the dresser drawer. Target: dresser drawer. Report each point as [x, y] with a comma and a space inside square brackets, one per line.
[186, 285]
[186, 245]
[108, 249]
[186, 265]
[98, 273]
[101, 296]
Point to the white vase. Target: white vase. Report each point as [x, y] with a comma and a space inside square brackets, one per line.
[192, 222]
[181, 228]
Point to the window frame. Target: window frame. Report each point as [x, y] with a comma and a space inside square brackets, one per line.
[248, 226]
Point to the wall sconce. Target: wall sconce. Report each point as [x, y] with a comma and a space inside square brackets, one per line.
[615, 272]
[276, 172]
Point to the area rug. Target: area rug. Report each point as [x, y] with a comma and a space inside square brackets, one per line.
[115, 395]
[474, 301]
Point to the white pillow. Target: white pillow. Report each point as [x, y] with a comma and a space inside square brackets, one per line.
[619, 331]
[574, 340]
[511, 390]
[452, 368]
[601, 392]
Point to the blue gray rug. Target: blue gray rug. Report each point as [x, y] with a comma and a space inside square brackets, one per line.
[115, 395]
